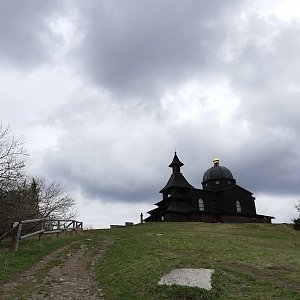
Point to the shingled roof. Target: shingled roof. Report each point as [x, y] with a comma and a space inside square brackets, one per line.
[176, 179]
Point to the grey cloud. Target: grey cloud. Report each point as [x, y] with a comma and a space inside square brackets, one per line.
[106, 151]
[264, 73]
[143, 47]
[25, 33]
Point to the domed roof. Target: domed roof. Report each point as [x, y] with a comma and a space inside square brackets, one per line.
[217, 172]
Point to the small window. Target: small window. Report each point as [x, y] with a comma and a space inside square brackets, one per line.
[201, 204]
[162, 218]
[217, 182]
[238, 206]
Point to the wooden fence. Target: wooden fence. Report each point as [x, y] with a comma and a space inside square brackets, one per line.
[43, 226]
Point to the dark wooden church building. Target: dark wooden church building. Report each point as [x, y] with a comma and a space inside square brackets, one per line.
[220, 200]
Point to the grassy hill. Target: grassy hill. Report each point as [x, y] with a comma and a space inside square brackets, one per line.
[251, 261]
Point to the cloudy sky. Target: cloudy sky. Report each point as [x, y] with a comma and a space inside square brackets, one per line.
[104, 91]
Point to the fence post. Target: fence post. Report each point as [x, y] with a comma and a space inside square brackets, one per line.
[58, 228]
[76, 227]
[16, 237]
[14, 233]
[42, 227]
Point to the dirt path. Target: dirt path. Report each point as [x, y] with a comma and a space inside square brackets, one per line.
[66, 273]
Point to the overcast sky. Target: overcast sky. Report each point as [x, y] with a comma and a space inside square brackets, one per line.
[104, 91]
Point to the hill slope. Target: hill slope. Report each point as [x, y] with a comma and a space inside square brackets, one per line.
[251, 261]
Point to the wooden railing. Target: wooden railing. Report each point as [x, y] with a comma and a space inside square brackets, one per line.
[44, 226]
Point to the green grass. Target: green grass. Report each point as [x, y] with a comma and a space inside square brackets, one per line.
[251, 261]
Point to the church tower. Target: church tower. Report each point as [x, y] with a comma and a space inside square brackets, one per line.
[177, 183]
[176, 202]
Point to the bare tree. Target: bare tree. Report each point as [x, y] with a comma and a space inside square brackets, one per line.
[12, 159]
[23, 198]
[54, 202]
[19, 203]
[33, 199]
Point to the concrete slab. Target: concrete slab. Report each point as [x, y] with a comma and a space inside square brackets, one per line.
[189, 277]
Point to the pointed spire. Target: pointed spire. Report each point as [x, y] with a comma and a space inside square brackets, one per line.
[176, 179]
[176, 164]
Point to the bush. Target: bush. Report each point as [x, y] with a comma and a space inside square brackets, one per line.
[296, 224]
[296, 221]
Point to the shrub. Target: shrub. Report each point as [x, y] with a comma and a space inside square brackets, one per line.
[296, 224]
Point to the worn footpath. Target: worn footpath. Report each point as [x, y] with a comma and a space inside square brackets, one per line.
[66, 273]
